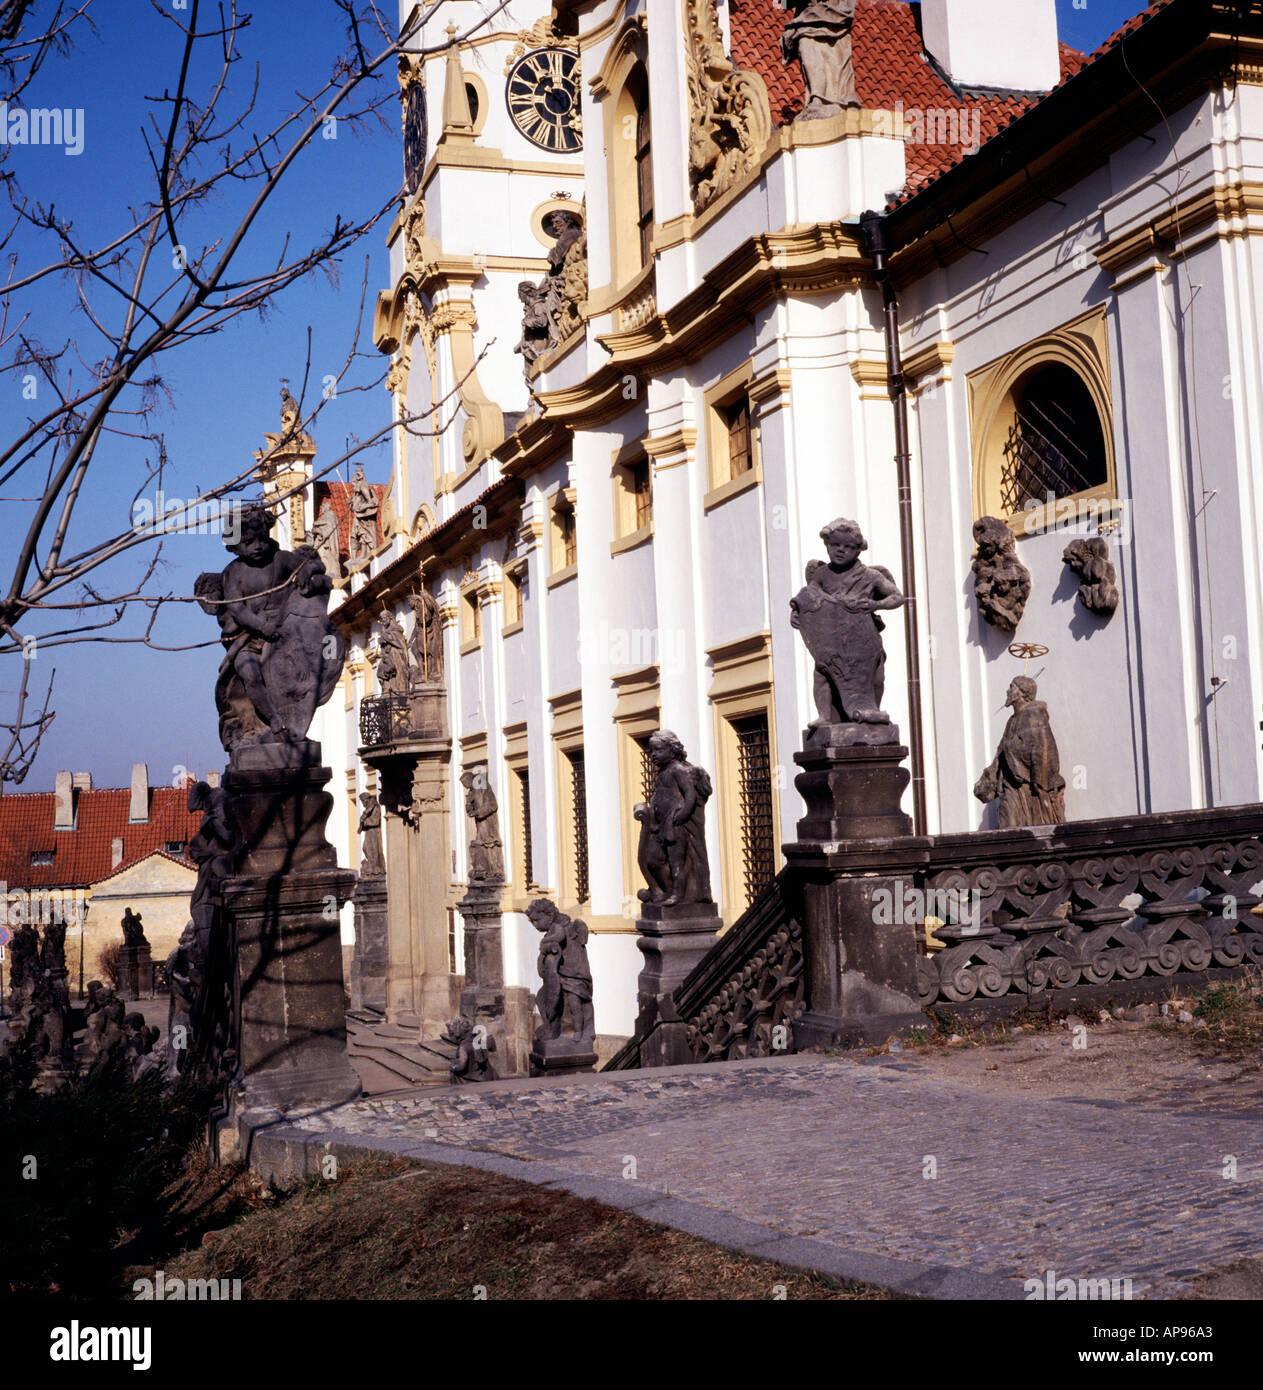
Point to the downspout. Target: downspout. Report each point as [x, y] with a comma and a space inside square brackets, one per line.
[873, 228]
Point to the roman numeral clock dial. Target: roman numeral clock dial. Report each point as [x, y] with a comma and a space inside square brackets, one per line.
[543, 96]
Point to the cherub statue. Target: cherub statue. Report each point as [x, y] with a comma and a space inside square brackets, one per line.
[676, 818]
[1098, 587]
[837, 614]
[472, 1061]
[1002, 583]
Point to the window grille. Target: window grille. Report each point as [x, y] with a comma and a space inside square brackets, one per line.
[579, 809]
[1054, 445]
[758, 848]
[524, 791]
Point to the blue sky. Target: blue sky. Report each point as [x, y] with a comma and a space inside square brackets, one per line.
[122, 704]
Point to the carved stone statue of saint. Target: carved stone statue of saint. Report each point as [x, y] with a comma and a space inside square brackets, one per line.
[365, 506]
[1024, 777]
[289, 408]
[819, 36]
[183, 979]
[837, 615]
[486, 854]
[1098, 580]
[392, 668]
[536, 325]
[675, 818]
[550, 309]
[284, 656]
[1002, 583]
[426, 642]
[133, 929]
[370, 826]
[565, 994]
[325, 540]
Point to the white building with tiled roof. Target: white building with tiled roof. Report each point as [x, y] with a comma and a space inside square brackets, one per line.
[613, 536]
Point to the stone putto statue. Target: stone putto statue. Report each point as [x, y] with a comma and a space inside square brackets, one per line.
[1098, 586]
[473, 1060]
[836, 612]
[1024, 777]
[1002, 583]
[565, 994]
[284, 656]
[486, 855]
[819, 36]
[673, 827]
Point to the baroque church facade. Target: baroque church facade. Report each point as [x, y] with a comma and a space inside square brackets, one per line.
[645, 343]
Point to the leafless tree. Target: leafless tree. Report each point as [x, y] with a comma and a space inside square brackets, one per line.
[157, 284]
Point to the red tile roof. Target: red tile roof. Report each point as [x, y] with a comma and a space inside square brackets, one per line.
[81, 857]
[890, 67]
[339, 495]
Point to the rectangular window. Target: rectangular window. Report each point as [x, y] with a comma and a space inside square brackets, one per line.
[514, 584]
[736, 417]
[758, 837]
[579, 822]
[641, 482]
[174, 847]
[470, 619]
[41, 857]
[569, 540]
[644, 184]
[524, 804]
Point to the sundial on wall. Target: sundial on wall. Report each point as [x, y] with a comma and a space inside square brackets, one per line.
[542, 92]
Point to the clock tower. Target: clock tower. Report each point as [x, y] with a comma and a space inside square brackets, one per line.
[494, 201]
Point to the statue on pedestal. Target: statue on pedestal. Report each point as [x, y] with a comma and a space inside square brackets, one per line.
[372, 865]
[1024, 777]
[284, 656]
[1002, 583]
[486, 854]
[365, 506]
[426, 642]
[837, 615]
[565, 993]
[1098, 580]
[673, 827]
[133, 929]
[472, 1061]
[819, 36]
[392, 668]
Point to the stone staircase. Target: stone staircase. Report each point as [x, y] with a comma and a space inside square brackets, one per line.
[390, 1057]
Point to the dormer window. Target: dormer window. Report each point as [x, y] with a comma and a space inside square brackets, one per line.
[41, 858]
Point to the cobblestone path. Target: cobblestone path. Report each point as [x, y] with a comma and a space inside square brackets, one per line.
[862, 1156]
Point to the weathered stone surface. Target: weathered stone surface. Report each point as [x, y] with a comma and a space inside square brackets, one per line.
[370, 961]
[1002, 583]
[566, 1039]
[672, 852]
[1098, 580]
[852, 786]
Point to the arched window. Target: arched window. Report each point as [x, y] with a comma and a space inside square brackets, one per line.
[1055, 446]
[638, 91]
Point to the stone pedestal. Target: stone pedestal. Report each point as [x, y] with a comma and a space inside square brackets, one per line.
[285, 900]
[672, 940]
[371, 957]
[561, 1056]
[484, 1001]
[135, 972]
[852, 780]
[862, 972]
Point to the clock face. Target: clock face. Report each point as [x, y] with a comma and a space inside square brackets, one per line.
[543, 96]
[414, 136]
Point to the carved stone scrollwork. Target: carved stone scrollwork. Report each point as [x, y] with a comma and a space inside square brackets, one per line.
[1055, 924]
[731, 117]
[766, 993]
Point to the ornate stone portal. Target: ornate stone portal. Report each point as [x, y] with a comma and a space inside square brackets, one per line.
[1024, 778]
[819, 36]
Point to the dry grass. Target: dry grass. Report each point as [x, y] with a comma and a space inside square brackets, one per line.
[395, 1229]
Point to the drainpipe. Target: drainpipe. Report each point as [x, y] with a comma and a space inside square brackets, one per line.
[873, 229]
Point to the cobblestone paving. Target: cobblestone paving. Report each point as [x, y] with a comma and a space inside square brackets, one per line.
[871, 1158]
